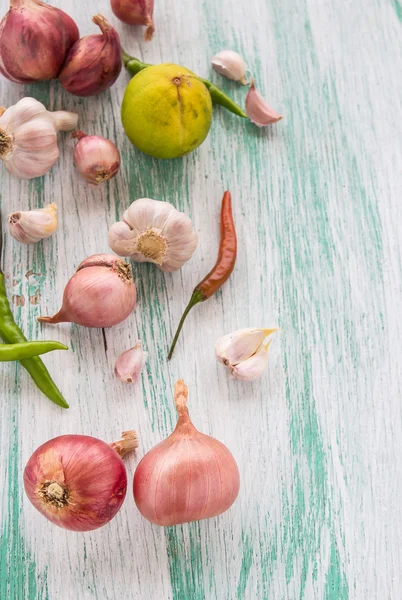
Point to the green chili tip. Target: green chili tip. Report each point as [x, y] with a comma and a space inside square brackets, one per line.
[22, 350]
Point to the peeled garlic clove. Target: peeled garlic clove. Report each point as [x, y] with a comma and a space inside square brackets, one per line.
[238, 346]
[253, 367]
[154, 231]
[129, 365]
[231, 65]
[259, 111]
[32, 226]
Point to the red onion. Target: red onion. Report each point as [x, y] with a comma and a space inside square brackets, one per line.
[187, 477]
[96, 158]
[100, 294]
[78, 482]
[136, 12]
[34, 41]
[94, 62]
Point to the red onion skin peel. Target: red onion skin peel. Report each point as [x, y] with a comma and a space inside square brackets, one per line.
[34, 41]
[78, 482]
[100, 294]
[188, 476]
[94, 62]
[136, 12]
[96, 158]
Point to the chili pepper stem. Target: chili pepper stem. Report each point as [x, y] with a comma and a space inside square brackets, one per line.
[195, 299]
[134, 66]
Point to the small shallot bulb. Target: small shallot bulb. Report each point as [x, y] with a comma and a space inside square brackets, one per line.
[28, 137]
[100, 294]
[187, 477]
[258, 109]
[79, 482]
[34, 41]
[31, 226]
[243, 352]
[136, 12]
[130, 363]
[154, 231]
[94, 62]
[96, 158]
[230, 65]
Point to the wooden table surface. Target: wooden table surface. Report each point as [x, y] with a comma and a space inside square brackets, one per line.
[317, 203]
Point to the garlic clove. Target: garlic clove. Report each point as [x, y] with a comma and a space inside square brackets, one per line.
[32, 226]
[121, 240]
[259, 111]
[231, 65]
[130, 363]
[253, 367]
[240, 345]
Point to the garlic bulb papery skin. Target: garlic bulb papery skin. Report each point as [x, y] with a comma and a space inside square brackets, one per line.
[188, 476]
[231, 65]
[28, 137]
[130, 363]
[243, 352]
[31, 226]
[258, 110]
[154, 231]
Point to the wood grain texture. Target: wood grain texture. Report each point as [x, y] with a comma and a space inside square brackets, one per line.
[317, 203]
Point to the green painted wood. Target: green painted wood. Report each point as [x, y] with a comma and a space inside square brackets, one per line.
[317, 207]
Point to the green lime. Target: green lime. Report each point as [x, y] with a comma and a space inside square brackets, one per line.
[166, 111]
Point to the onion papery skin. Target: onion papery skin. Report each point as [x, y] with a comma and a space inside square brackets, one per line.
[92, 473]
[96, 295]
[94, 62]
[187, 477]
[34, 41]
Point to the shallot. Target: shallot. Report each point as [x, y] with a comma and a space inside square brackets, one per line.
[79, 482]
[100, 294]
[187, 477]
[96, 158]
[94, 62]
[34, 41]
[136, 12]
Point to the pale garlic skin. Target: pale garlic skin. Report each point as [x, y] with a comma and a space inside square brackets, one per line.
[130, 363]
[31, 226]
[28, 137]
[154, 231]
[243, 352]
[231, 65]
[258, 110]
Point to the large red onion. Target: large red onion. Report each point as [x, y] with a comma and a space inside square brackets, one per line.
[100, 294]
[34, 41]
[78, 482]
[187, 477]
[94, 62]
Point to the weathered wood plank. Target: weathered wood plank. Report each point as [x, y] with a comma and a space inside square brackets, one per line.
[318, 212]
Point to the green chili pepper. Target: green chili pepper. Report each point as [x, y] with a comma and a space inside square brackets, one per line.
[12, 334]
[28, 349]
[134, 66]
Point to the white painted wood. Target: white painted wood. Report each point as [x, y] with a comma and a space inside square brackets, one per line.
[318, 213]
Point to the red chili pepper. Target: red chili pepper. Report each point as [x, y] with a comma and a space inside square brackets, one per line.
[222, 269]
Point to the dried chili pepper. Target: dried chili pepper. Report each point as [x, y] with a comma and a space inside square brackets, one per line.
[12, 334]
[223, 266]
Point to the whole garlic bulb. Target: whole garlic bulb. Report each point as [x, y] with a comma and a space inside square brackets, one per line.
[31, 226]
[154, 231]
[28, 137]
